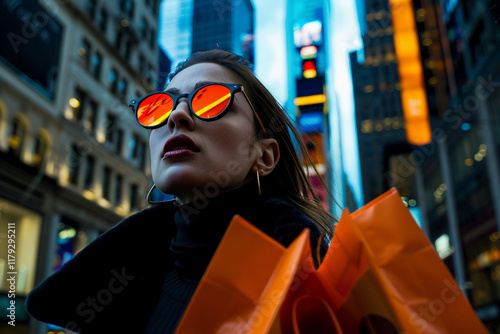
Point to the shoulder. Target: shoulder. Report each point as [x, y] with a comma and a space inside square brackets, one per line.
[153, 218]
[137, 231]
[129, 252]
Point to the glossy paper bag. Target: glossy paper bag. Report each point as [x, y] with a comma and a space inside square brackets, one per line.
[382, 275]
[245, 283]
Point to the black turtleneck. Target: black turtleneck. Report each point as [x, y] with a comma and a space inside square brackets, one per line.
[200, 228]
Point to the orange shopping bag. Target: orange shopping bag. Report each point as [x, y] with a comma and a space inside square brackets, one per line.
[382, 275]
[245, 283]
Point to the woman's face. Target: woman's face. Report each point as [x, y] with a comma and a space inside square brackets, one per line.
[192, 158]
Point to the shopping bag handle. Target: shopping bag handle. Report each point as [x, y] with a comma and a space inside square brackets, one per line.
[312, 315]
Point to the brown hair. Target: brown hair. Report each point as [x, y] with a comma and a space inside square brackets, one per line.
[289, 175]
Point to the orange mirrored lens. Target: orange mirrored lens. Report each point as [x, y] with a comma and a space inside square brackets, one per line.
[211, 100]
[154, 109]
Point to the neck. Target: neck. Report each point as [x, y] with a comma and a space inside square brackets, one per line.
[201, 225]
[200, 199]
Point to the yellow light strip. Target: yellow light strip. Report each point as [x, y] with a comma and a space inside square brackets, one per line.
[308, 100]
[213, 104]
[413, 94]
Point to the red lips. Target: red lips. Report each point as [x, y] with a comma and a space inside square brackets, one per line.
[179, 145]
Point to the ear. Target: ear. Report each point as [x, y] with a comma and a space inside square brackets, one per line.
[268, 154]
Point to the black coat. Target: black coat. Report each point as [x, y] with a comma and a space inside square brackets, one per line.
[113, 285]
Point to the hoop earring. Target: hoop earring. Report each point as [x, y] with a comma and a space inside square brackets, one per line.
[148, 197]
[258, 182]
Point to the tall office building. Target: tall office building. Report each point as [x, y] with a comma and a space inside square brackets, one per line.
[189, 26]
[73, 161]
[456, 176]
[222, 24]
[460, 168]
[379, 115]
[176, 21]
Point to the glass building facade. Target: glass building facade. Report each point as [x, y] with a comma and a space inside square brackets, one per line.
[456, 176]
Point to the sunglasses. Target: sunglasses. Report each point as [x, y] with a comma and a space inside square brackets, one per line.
[209, 103]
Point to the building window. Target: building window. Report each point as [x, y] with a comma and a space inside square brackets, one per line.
[119, 141]
[137, 151]
[122, 89]
[84, 111]
[17, 137]
[78, 105]
[155, 7]
[127, 7]
[110, 130]
[113, 80]
[88, 181]
[106, 183]
[132, 146]
[142, 64]
[91, 8]
[90, 116]
[118, 40]
[74, 161]
[95, 66]
[142, 155]
[152, 38]
[84, 53]
[128, 48]
[103, 22]
[70, 240]
[27, 226]
[114, 135]
[118, 190]
[143, 27]
[41, 149]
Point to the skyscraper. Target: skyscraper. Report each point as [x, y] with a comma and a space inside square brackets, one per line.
[189, 26]
[379, 114]
[460, 170]
[455, 177]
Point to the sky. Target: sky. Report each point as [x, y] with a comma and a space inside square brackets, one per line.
[270, 67]
[271, 63]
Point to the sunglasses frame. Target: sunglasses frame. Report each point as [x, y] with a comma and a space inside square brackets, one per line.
[233, 89]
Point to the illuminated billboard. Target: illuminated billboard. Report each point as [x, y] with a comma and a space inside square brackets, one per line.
[307, 34]
[413, 95]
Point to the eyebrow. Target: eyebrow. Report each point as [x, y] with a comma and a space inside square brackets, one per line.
[176, 91]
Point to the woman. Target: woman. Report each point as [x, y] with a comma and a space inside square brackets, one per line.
[220, 144]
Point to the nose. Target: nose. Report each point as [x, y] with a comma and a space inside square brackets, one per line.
[181, 115]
